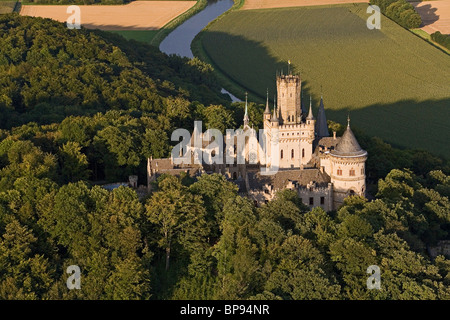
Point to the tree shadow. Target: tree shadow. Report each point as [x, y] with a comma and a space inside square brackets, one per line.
[403, 124]
[262, 64]
[427, 13]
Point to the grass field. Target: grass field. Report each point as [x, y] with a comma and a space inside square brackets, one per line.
[394, 84]
[7, 6]
[139, 35]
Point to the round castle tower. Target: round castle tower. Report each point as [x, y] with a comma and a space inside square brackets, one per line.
[348, 162]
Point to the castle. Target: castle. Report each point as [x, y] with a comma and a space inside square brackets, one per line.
[323, 170]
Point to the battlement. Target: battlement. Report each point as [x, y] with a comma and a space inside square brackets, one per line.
[288, 78]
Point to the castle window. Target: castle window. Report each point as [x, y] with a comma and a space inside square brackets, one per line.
[322, 200]
[291, 95]
[292, 153]
[303, 153]
[339, 172]
[281, 154]
[311, 201]
[352, 172]
[362, 170]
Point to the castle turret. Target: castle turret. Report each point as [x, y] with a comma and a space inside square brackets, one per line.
[348, 161]
[310, 116]
[267, 110]
[274, 120]
[246, 119]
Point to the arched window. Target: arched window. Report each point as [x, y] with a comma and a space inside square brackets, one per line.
[292, 153]
[281, 154]
[352, 172]
[339, 172]
[303, 153]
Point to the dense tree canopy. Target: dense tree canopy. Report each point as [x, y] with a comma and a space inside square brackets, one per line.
[79, 107]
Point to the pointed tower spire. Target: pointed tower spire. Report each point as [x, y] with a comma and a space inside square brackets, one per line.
[321, 124]
[246, 120]
[310, 114]
[267, 111]
[348, 146]
[274, 117]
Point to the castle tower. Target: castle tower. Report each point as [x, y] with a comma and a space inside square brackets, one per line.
[246, 119]
[267, 110]
[348, 162]
[289, 96]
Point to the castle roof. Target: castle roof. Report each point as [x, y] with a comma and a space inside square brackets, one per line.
[310, 114]
[281, 179]
[321, 124]
[348, 146]
[267, 111]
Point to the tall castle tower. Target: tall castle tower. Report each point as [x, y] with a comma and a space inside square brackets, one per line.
[347, 174]
[289, 99]
[295, 134]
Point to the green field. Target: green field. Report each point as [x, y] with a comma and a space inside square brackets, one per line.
[7, 6]
[139, 35]
[394, 84]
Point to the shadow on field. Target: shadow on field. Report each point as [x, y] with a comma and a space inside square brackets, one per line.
[255, 64]
[427, 13]
[421, 124]
[424, 124]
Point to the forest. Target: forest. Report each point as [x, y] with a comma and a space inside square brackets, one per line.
[79, 108]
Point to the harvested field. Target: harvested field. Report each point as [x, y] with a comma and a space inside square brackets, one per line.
[435, 15]
[137, 15]
[264, 4]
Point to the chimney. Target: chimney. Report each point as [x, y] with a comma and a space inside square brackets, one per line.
[334, 135]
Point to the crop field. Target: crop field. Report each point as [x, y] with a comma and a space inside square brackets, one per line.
[393, 84]
[137, 15]
[265, 4]
[435, 15]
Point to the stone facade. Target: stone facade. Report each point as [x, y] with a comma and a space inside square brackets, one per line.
[323, 170]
